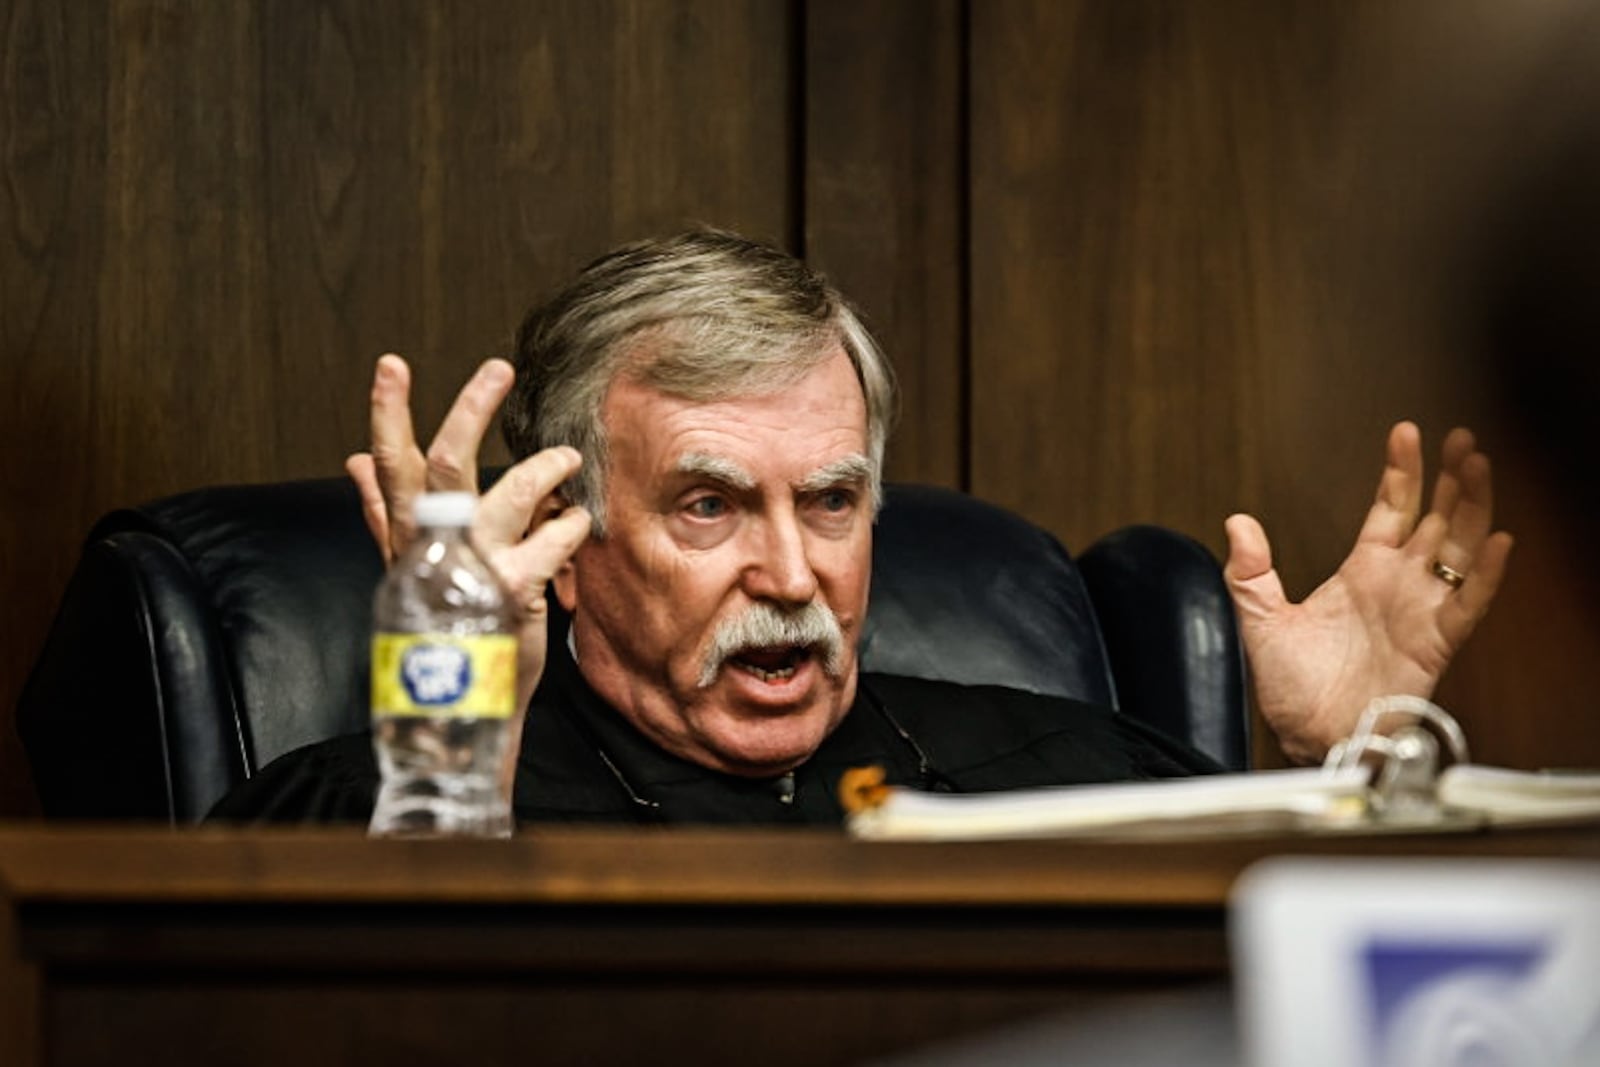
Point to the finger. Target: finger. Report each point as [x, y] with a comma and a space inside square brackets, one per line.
[1399, 500]
[396, 461]
[1458, 445]
[364, 473]
[1257, 590]
[1460, 613]
[523, 495]
[528, 566]
[1473, 517]
[1425, 543]
[453, 454]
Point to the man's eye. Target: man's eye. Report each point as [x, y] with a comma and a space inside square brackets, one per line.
[836, 500]
[708, 507]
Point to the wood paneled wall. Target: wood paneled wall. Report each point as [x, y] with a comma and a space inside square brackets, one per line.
[218, 213]
[1136, 261]
[1218, 249]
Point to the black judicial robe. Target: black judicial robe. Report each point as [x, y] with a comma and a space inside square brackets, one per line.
[582, 762]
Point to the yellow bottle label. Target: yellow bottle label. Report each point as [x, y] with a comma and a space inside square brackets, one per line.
[443, 675]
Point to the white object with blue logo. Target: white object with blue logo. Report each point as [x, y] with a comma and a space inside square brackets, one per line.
[444, 657]
[1418, 963]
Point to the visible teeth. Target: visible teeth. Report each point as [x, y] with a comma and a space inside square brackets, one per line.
[782, 674]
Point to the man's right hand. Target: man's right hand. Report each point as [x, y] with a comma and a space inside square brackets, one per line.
[522, 528]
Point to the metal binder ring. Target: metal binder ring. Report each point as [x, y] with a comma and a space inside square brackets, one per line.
[1447, 574]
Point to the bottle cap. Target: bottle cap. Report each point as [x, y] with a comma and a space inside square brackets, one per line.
[446, 509]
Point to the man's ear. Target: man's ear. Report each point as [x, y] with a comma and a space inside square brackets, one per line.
[565, 583]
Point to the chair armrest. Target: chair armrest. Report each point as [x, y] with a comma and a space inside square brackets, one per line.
[127, 713]
[202, 636]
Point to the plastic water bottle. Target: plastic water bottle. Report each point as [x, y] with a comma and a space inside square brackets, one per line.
[444, 681]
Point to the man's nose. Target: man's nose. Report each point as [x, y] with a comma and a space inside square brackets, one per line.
[780, 569]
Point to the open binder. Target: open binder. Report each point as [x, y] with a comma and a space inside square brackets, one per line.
[1404, 768]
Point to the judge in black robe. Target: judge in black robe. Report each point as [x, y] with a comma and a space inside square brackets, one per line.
[581, 761]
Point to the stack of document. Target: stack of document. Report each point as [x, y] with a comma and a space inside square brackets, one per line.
[1333, 799]
[1517, 797]
[1285, 799]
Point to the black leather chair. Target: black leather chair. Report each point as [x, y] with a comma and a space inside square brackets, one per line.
[205, 634]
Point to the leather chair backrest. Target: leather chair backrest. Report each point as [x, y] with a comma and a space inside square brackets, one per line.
[205, 634]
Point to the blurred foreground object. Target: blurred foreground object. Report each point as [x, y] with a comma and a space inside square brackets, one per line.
[1358, 963]
[444, 680]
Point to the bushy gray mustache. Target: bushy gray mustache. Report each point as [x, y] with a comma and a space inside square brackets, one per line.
[762, 625]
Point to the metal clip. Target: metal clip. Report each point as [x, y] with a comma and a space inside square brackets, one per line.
[1406, 759]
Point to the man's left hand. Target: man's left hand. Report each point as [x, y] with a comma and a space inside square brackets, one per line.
[1387, 622]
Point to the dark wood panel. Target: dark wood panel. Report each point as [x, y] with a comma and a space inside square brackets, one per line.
[625, 868]
[53, 163]
[348, 156]
[485, 157]
[218, 214]
[885, 203]
[1522, 304]
[605, 945]
[617, 1021]
[1113, 348]
[703, 124]
[1218, 249]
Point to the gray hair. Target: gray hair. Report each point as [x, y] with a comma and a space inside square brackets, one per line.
[703, 315]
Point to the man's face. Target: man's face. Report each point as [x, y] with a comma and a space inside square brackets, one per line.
[718, 514]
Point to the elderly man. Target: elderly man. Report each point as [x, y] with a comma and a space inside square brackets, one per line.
[701, 421]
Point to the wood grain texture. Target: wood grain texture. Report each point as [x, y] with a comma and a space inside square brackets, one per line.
[216, 215]
[604, 1022]
[885, 203]
[1219, 249]
[1104, 348]
[691, 867]
[605, 946]
[53, 162]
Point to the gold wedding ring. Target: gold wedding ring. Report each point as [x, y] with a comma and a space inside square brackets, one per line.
[1447, 574]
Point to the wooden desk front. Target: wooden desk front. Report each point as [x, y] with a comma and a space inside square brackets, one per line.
[128, 946]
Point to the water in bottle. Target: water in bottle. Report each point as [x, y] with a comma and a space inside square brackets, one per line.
[444, 666]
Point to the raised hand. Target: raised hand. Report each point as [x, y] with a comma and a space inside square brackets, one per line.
[1394, 614]
[522, 528]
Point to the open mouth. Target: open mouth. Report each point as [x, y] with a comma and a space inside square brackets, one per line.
[774, 664]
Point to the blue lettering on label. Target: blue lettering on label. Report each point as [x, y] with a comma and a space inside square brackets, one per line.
[436, 674]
